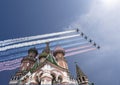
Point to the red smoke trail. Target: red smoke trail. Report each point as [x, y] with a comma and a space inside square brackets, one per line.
[78, 52]
[77, 48]
[10, 65]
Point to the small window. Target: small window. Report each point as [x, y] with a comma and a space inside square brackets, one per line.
[83, 78]
[80, 79]
[28, 64]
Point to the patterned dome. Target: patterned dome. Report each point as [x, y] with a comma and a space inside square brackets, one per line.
[43, 54]
[58, 49]
[33, 50]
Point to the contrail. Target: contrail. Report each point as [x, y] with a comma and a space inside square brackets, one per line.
[11, 57]
[10, 67]
[68, 54]
[7, 64]
[78, 52]
[10, 62]
[19, 59]
[36, 42]
[18, 55]
[24, 49]
[18, 40]
[75, 44]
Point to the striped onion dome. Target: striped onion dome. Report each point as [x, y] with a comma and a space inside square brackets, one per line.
[58, 49]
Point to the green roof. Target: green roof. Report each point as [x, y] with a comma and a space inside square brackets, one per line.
[51, 59]
[34, 67]
[44, 54]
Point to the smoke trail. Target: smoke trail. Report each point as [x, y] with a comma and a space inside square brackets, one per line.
[10, 65]
[77, 48]
[18, 40]
[39, 49]
[71, 49]
[10, 62]
[78, 52]
[67, 50]
[76, 44]
[36, 42]
[11, 57]
[24, 49]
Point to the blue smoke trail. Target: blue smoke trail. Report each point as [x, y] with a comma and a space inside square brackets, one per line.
[24, 49]
[19, 55]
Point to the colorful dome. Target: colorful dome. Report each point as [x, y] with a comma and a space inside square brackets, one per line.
[44, 54]
[58, 49]
[33, 50]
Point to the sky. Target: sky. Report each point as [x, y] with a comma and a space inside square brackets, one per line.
[98, 19]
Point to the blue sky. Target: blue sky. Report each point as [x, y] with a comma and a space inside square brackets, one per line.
[99, 19]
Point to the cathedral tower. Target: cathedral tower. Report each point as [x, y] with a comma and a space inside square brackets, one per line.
[26, 64]
[59, 55]
[28, 61]
[81, 77]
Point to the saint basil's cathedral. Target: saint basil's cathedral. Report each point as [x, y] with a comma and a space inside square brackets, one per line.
[47, 68]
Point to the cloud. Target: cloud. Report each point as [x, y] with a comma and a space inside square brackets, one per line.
[102, 24]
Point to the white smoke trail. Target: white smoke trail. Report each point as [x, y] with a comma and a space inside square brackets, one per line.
[18, 40]
[78, 52]
[36, 42]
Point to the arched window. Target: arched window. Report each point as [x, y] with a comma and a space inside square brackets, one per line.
[59, 79]
[80, 79]
[53, 79]
[83, 78]
[38, 78]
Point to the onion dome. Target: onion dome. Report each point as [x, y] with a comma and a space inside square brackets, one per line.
[28, 58]
[34, 50]
[43, 54]
[58, 49]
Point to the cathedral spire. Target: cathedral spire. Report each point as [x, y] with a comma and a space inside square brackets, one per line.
[47, 49]
[79, 72]
[81, 77]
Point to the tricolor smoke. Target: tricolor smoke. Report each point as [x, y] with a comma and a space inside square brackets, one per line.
[19, 50]
[16, 63]
[13, 50]
[20, 54]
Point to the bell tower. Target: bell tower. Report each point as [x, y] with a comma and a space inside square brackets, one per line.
[59, 55]
[81, 77]
[28, 62]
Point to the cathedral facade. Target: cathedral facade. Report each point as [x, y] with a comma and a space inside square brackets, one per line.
[47, 68]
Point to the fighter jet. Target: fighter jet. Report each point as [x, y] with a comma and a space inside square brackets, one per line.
[98, 47]
[85, 37]
[77, 30]
[90, 41]
[94, 44]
